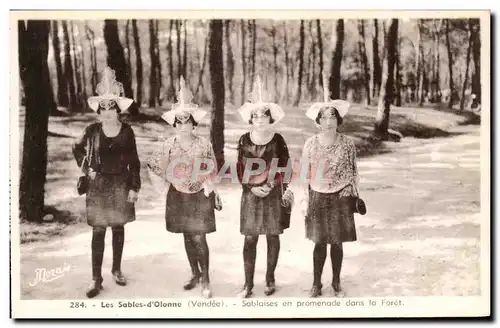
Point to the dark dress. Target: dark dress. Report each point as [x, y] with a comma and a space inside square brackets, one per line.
[117, 168]
[186, 212]
[330, 218]
[190, 213]
[261, 216]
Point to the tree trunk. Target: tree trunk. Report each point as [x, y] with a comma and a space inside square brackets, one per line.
[298, 93]
[127, 44]
[423, 72]
[275, 62]
[184, 60]
[152, 76]
[39, 98]
[253, 31]
[203, 64]
[320, 49]
[398, 76]
[93, 60]
[364, 60]
[116, 59]
[284, 96]
[62, 91]
[418, 66]
[476, 57]
[334, 82]
[377, 68]
[83, 69]
[308, 67]
[466, 79]
[438, 62]
[217, 84]
[158, 66]
[311, 79]
[178, 25]
[229, 60]
[68, 68]
[433, 67]
[243, 62]
[79, 97]
[138, 61]
[170, 54]
[450, 63]
[436, 89]
[386, 97]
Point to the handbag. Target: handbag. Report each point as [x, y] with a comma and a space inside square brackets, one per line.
[82, 185]
[358, 205]
[287, 198]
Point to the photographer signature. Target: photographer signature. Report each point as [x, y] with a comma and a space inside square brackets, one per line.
[44, 275]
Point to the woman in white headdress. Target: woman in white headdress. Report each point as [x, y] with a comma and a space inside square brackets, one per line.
[261, 209]
[107, 154]
[191, 198]
[332, 181]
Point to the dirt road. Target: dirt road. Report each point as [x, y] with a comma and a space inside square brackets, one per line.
[420, 237]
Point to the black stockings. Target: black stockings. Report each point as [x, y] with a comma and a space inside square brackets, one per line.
[198, 255]
[98, 239]
[319, 258]
[250, 255]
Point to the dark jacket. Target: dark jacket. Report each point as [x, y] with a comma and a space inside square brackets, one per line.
[115, 156]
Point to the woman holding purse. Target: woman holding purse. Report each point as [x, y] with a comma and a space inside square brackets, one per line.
[107, 154]
[261, 199]
[332, 184]
[191, 200]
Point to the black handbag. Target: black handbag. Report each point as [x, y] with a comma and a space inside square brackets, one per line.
[286, 208]
[358, 205]
[82, 185]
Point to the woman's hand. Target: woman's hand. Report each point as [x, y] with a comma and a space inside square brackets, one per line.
[288, 198]
[261, 192]
[218, 202]
[347, 191]
[193, 186]
[132, 196]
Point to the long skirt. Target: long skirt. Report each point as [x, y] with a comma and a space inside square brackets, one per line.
[106, 201]
[190, 213]
[261, 216]
[329, 218]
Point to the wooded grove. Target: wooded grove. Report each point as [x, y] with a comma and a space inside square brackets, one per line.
[374, 62]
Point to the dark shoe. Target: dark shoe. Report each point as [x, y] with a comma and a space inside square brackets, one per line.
[270, 288]
[95, 288]
[191, 283]
[315, 291]
[119, 278]
[246, 292]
